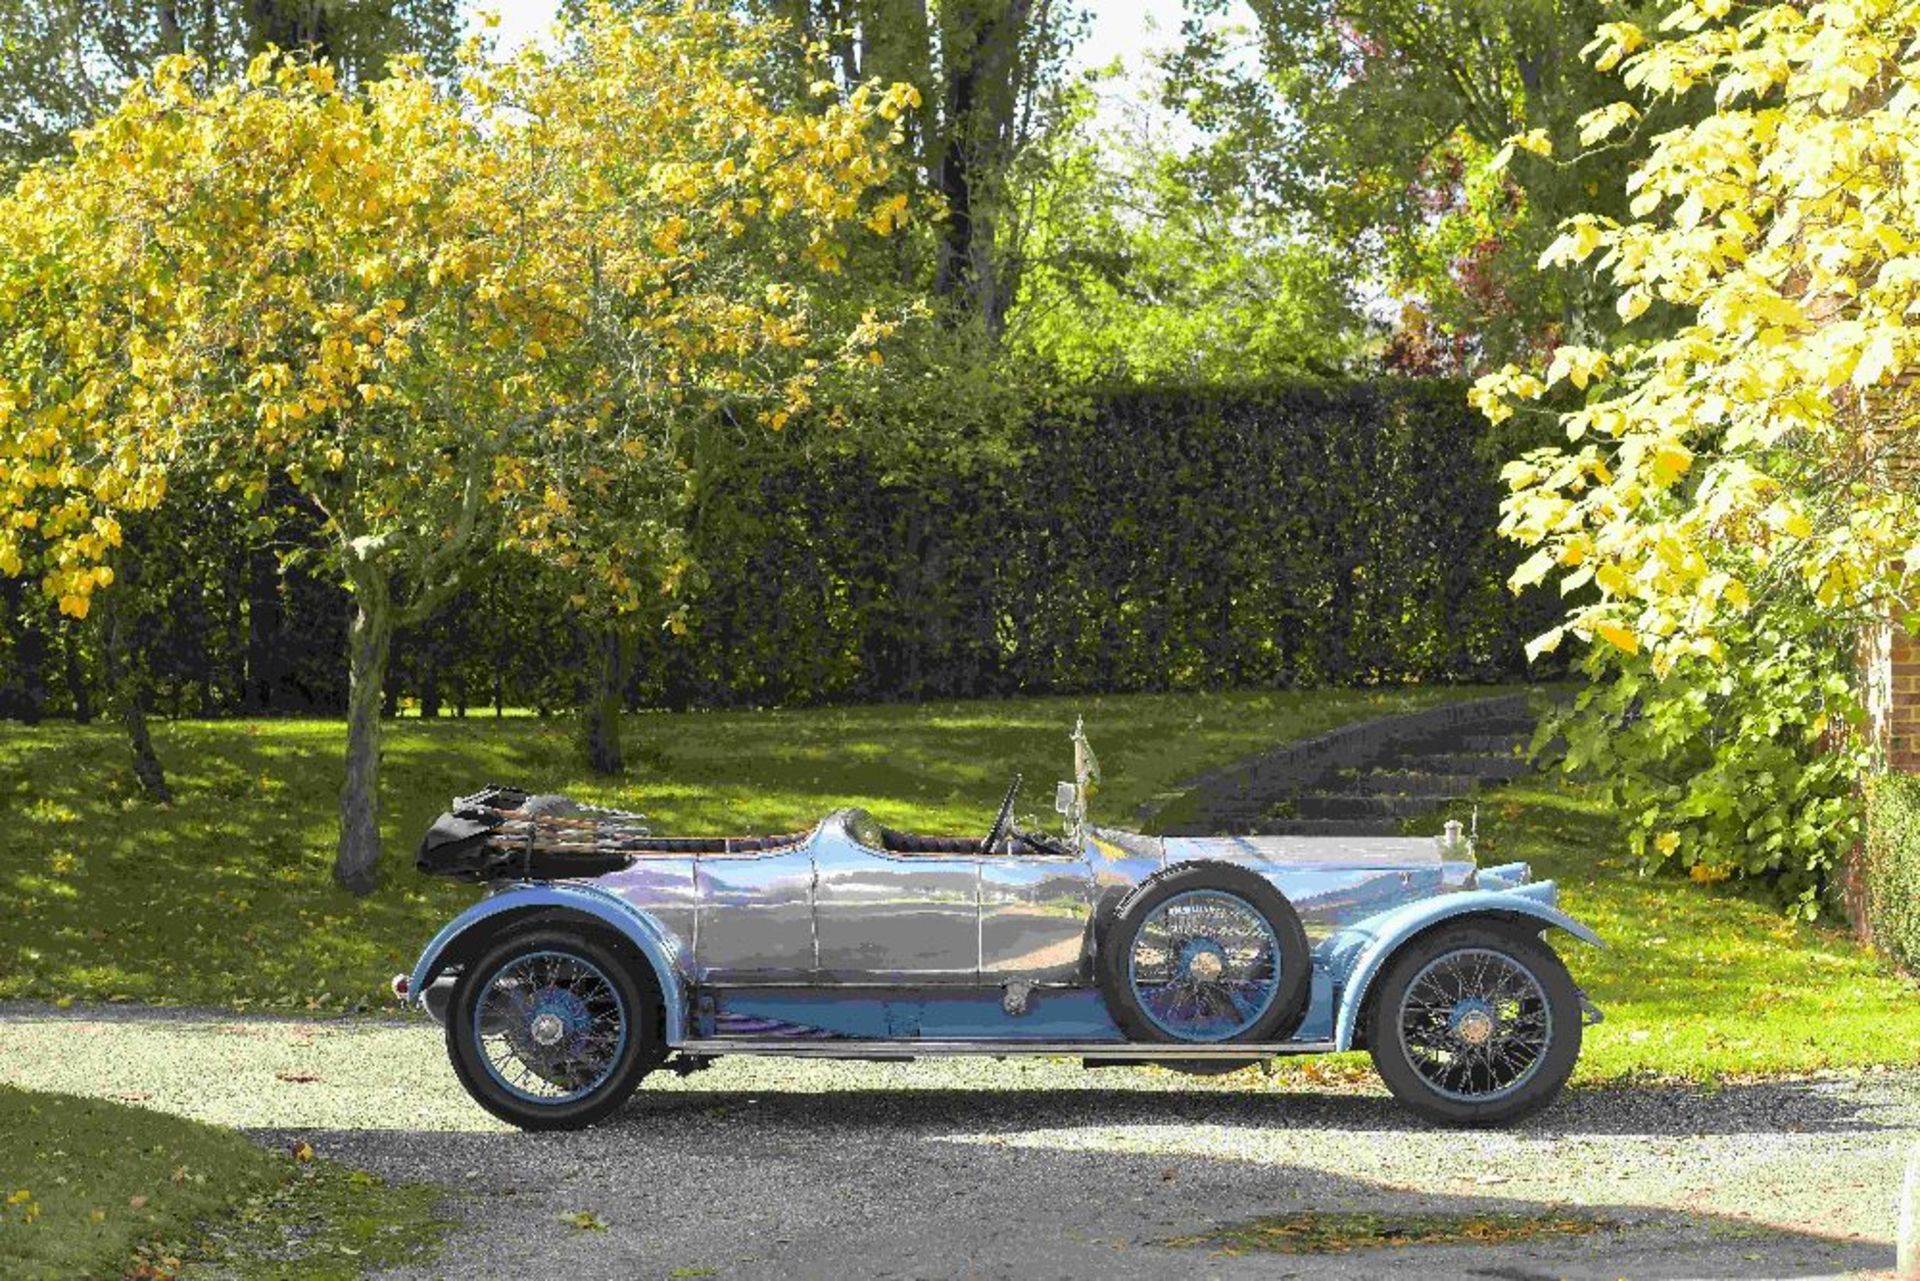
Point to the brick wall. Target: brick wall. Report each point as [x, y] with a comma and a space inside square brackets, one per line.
[1890, 668]
[1903, 702]
[1890, 674]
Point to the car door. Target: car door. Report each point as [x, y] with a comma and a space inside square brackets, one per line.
[891, 918]
[1035, 909]
[754, 921]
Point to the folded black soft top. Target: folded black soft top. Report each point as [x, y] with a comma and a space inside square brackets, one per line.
[504, 833]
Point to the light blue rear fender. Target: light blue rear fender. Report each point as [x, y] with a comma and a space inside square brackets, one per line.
[655, 942]
[1356, 955]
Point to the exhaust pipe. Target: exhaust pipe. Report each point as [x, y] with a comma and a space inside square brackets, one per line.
[437, 996]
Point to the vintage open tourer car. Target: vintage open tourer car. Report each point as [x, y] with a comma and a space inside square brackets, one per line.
[603, 952]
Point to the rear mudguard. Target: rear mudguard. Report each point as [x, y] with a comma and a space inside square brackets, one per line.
[655, 942]
[1355, 956]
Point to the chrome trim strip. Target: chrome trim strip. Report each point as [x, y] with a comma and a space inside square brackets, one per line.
[813, 900]
[848, 1048]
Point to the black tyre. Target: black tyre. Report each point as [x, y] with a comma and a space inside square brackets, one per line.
[1206, 953]
[551, 1029]
[1475, 1024]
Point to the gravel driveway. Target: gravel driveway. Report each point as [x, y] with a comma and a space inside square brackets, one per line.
[765, 1168]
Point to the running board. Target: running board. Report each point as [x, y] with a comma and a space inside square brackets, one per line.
[847, 1048]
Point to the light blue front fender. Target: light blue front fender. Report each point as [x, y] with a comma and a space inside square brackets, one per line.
[654, 941]
[1356, 955]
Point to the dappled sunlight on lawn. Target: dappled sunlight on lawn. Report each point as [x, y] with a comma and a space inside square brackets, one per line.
[226, 897]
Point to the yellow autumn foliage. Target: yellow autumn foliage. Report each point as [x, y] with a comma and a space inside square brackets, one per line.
[1769, 436]
[453, 318]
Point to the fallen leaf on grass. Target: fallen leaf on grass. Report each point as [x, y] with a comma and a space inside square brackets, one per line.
[137, 1202]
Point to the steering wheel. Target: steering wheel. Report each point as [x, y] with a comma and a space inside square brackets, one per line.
[1003, 821]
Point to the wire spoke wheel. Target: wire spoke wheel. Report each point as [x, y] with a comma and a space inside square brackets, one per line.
[1205, 965]
[1475, 1024]
[550, 1027]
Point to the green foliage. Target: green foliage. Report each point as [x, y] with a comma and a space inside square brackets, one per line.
[1298, 533]
[1733, 500]
[1377, 118]
[1891, 869]
[90, 1188]
[64, 63]
[1744, 769]
[1136, 271]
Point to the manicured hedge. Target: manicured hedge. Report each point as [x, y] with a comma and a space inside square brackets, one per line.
[1294, 533]
[1892, 869]
[1290, 534]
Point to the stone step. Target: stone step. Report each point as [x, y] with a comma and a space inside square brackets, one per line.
[1337, 805]
[1499, 744]
[1482, 767]
[1408, 783]
[1328, 827]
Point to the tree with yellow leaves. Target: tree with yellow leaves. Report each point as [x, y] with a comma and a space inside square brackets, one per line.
[1737, 496]
[449, 320]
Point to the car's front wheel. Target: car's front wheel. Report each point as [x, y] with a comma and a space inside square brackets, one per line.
[1475, 1024]
[552, 1030]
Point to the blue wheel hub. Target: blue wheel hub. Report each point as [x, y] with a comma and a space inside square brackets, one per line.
[1474, 1021]
[555, 1018]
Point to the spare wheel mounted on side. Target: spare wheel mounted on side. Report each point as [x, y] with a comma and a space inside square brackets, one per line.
[1206, 953]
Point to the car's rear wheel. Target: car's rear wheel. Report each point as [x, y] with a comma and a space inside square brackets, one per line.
[552, 1030]
[1475, 1025]
[1206, 953]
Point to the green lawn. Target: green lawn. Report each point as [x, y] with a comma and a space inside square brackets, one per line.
[1704, 983]
[225, 898]
[92, 1189]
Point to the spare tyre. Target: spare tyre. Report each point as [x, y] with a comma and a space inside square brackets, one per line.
[1206, 953]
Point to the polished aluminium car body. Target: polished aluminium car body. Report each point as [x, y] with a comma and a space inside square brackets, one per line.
[850, 940]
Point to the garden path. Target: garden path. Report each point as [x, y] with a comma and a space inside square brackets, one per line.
[1028, 1168]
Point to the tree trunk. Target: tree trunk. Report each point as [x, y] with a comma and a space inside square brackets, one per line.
[30, 656]
[146, 762]
[429, 681]
[127, 692]
[265, 624]
[357, 862]
[78, 688]
[980, 48]
[600, 710]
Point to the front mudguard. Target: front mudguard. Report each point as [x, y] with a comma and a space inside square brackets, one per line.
[658, 945]
[1356, 955]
